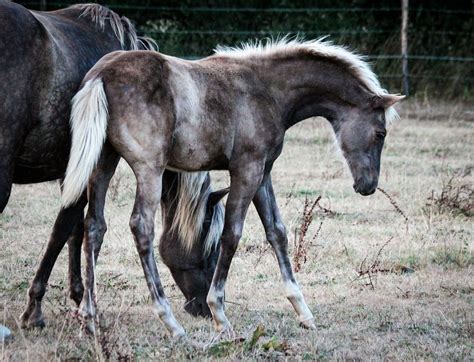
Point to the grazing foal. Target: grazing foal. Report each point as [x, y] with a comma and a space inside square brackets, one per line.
[228, 111]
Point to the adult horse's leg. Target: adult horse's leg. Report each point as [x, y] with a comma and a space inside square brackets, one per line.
[244, 182]
[275, 231]
[95, 228]
[67, 220]
[142, 221]
[74, 244]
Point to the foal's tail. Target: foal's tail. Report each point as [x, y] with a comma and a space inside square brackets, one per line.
[89, 129]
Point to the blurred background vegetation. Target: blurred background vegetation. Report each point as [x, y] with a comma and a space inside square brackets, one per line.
[440, 33]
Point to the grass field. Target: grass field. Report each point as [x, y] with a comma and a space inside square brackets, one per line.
[379, 285]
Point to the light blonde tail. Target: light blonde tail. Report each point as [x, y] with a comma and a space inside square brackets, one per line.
[88, 122]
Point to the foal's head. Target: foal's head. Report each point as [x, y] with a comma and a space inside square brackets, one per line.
[189, 245]
[196, 281]
[361, 133]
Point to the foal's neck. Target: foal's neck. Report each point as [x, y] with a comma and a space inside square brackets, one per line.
[311, 87]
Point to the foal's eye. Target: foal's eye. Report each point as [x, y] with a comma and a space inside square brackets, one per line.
[380, 135]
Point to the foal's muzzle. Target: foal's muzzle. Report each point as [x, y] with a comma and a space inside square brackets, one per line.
[365, 187]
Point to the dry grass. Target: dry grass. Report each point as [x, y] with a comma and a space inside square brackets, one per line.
[418, 303]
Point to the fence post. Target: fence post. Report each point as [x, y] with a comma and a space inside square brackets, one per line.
[404, 46]
[43, 5]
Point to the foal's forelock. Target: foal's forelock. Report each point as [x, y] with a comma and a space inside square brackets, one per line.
[191, 211]
[121, 26]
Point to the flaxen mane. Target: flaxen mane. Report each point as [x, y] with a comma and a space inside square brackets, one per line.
[191, 211]
[122, 26]
[356, 64]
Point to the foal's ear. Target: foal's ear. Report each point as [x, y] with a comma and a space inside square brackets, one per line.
[386, 100]
[216, 196]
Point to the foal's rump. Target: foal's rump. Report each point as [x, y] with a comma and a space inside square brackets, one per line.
[134, 127]
[92, 112]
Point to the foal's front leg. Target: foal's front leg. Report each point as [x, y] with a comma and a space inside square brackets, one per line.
[267, 209]
[243, 185]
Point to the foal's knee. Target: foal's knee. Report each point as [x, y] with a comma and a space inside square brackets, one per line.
[276, 235]
[230, 239]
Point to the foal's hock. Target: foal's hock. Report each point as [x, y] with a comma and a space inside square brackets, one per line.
[228, 111]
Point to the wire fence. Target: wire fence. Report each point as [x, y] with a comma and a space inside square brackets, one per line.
[440, 54]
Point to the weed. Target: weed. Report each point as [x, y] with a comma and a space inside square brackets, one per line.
[394, 204]
[456, 196]
[301, 244]
[367, 270]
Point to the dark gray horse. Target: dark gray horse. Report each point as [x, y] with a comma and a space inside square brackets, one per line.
[43, 58]
[228, 111]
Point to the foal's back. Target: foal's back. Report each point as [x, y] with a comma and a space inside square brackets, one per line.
[211, 109]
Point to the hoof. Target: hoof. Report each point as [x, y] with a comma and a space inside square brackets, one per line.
[87, 323]
[223, 327]
[88, 326]
[228, 333]
[76, 297]
[179, 335]
[32, 321]
[6, 335]
[308, 323]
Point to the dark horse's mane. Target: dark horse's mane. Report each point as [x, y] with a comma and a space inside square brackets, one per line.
[123, 28]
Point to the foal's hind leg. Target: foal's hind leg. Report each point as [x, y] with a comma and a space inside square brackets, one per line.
[267, 209]
[95, 228]
[63, 227]
[74, 244]
[142, 221]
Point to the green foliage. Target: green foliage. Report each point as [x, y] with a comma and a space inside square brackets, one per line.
[440, 29]
[256, 335]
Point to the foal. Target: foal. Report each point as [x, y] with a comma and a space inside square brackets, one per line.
[228, 111]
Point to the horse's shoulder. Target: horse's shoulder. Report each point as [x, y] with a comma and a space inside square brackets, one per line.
[15, 17]
[11, 8]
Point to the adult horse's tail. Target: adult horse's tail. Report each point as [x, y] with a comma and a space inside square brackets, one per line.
[89, 129]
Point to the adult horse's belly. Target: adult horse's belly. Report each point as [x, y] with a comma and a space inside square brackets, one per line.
[44, 154]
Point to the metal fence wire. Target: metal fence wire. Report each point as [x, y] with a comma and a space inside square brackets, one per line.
[431, 53]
